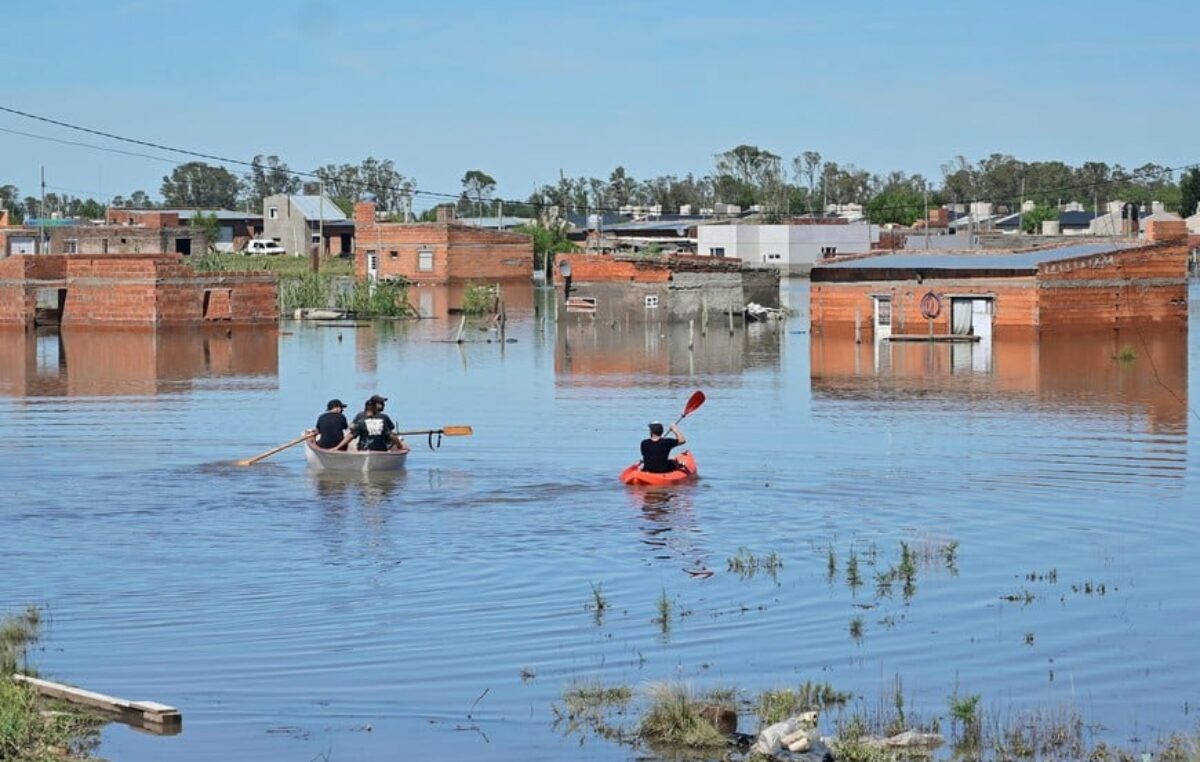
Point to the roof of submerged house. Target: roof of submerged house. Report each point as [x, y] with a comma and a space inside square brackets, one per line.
[999, 263]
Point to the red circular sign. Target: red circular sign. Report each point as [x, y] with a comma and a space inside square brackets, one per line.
[931, 305]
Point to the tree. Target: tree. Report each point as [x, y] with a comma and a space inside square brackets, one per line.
[477, 186]
[211, 227]
[196, 184]
[751, 174]
[547, 240]
[807, 166]
[1031, 221]
[900, 204]
[10, 199]
[269, 177]
[346, 183]
[1189, 192]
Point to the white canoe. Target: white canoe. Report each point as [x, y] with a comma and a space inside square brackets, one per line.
[354, 461]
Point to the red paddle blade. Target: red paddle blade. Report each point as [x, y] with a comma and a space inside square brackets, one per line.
[693, 403]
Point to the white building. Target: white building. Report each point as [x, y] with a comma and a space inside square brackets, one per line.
[794, 249]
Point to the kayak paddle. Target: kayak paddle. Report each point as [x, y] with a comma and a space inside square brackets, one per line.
[693, 404]
[280, 448]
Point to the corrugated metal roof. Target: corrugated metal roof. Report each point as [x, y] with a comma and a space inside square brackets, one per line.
[220, 214]
[310, 207]
[1020, 260]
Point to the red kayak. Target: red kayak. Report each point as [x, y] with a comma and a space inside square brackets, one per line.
[635, 475]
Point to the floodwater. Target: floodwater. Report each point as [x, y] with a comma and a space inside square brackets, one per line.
[1050, 492]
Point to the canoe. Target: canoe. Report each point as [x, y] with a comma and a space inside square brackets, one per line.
[635, 475]
[354, 461]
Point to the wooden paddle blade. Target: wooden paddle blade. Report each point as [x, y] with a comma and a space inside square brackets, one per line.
[693, 403]
[457, 431]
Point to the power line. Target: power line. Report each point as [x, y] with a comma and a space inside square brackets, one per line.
[407, 191]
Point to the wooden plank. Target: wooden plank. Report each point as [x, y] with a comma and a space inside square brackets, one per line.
[932, 337]
[148, 714]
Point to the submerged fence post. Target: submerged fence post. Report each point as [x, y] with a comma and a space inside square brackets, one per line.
[730, 319]
[857, 326]
[691, 333]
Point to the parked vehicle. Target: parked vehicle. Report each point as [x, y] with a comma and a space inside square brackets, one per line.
[263, 246]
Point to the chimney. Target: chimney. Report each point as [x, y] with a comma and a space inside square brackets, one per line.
[364, 213]
[445, 213]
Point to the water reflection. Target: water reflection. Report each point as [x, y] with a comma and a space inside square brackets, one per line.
[50, 362]
[670, 529]
[1106, 372]
[336, 490]
[440, 301]
[596, 352]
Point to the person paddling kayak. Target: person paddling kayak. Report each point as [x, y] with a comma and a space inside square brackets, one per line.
[656, 451]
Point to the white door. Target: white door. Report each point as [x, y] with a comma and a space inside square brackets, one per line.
[981, 319]
[372, 266]
[23, 245]
[883, 317]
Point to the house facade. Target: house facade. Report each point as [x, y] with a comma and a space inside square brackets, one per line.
[791, 249]
[977, 296]
[234, 229]
[160, 231]
[437, 252]
[303, 224]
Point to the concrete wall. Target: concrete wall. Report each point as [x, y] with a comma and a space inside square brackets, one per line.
[793, 249]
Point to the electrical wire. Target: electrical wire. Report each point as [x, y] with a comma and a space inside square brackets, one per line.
[405, 191]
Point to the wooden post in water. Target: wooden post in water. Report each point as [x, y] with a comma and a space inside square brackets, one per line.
[857, 326]
[691, 334]
[731, 319]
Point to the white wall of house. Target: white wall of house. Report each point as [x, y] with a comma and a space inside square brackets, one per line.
[794, 249]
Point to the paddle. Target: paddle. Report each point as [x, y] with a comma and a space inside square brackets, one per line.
[450, 431]
[280, 448]
[693, 404]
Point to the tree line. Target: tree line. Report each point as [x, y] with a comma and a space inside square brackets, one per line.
[747, 176]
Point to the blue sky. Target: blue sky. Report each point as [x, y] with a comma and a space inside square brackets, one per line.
[524, 89]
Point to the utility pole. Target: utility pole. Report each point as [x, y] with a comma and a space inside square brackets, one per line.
[42, 216]
[316, 255]
[925, 188]
[1021, 211]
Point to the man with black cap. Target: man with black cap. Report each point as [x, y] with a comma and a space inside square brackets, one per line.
[374, 429]
[656, 451]
[332, 425]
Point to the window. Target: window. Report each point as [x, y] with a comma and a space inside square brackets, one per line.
[771, 257]
[716, 251]
[651, 301]
[71, 246]
[828, 251]
[394, 254]
[425, 260]
[273, 213]
[316, 239]
[883, 310]
[104, 246]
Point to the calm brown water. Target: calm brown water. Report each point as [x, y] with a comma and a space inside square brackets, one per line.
[284, 613]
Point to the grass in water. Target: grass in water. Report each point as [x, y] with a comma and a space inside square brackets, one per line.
[745, 564]
[777, 705]
[27, 730]
[599, 603]
[664, 612]
[674, 722]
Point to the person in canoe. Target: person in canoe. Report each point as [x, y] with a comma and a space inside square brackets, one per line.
[331, 425]
[656, 451]
[374, 429]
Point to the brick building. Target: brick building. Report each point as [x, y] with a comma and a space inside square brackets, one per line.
[630, 288]
[157, 231]
[234, 229]
[149, 290]
[979, 295]
[437, 252]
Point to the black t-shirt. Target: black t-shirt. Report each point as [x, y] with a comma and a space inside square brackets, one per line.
[331, 427]
[374, 432]
[656, 455]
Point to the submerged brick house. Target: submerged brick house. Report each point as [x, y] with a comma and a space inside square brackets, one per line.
[437, 252]
[156, 231]
[134, 289]
[651, 289]
[1107, 284]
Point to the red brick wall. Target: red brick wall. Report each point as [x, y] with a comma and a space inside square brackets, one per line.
[602, 268]
[834, 305]
[459, 251]
[151, 218]
[1144, 285]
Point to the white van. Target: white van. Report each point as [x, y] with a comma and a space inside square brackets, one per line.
[263, 246]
